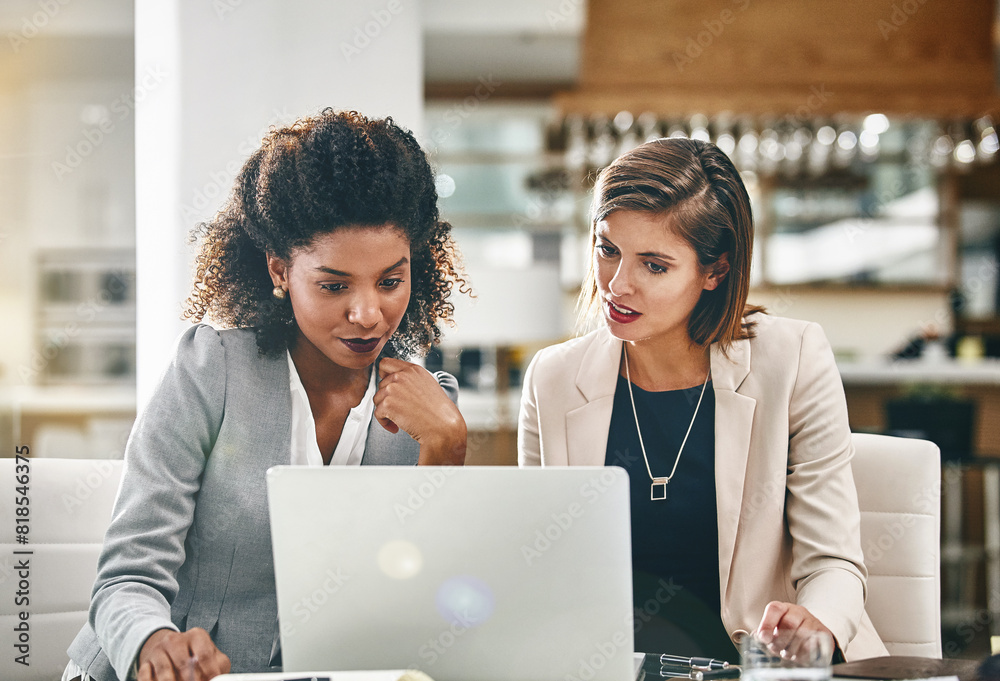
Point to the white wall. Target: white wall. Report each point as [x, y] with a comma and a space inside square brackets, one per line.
[219, 73]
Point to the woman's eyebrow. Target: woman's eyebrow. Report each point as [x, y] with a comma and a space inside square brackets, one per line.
[337, 273]
[330, 270]
[647, 254]
[661, 256]
[399, 263]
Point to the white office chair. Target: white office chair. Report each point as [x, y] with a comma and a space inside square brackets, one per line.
[69, 511]
[899, 492]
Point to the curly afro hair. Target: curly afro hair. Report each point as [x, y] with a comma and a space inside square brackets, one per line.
[322, 173]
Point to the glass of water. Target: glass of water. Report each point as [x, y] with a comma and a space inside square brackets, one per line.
[810, 660]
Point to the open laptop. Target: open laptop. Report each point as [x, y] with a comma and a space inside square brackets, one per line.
[486, 573]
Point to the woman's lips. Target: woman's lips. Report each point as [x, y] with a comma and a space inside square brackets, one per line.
[361, 345]
[621, 313]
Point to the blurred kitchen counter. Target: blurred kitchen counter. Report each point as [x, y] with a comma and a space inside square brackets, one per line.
[870, 384]
[68, 421]
[492, 419]
[492, 422]
[913, 371]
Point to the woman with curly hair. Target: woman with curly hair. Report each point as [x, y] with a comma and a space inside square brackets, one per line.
[328, 265]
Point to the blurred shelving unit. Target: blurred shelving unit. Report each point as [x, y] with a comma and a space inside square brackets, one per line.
[77, 396]
[85, 329]
[514, 219]
[970, 547]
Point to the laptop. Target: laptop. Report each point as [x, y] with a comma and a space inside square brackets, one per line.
[486, 573]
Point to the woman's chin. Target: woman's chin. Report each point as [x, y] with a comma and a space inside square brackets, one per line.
[625, 332]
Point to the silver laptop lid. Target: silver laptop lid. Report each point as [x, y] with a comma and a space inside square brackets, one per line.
[491, 573]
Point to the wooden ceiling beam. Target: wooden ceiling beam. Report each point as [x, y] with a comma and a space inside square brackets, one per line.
[771, 56]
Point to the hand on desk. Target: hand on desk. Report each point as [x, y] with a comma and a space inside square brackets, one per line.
[785, 626]
[167, 656]
[410, 399]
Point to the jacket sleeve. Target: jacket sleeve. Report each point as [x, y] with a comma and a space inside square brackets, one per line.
[529, 451]
[164, 459]
[828, 569]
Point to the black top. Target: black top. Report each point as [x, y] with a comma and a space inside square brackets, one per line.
[675, 542]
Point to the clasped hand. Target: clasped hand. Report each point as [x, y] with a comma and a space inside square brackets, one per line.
[410, 399]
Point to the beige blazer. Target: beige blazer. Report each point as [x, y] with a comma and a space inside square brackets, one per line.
[789, 525]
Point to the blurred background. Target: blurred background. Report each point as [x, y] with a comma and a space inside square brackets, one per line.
[865, 131]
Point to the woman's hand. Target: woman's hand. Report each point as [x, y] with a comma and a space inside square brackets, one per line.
[169, 655]
[785, 626]
[410, 399]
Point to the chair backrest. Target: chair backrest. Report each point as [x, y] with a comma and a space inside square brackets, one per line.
[899, 493]
[51, 576]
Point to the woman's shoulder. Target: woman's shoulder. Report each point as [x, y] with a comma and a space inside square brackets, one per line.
[204, 335]
[562, 361]
[203, 345]
[771, 327]
[784, 337]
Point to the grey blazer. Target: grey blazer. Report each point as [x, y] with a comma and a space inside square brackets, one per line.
[189, 543]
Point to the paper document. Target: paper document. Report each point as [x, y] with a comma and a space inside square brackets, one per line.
[372, 675]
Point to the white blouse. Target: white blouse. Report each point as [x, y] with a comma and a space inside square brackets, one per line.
[350, 447]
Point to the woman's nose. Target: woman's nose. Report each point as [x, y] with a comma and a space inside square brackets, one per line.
[619, 284]
[364, 311]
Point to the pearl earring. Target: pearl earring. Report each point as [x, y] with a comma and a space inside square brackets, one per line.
[279, 293]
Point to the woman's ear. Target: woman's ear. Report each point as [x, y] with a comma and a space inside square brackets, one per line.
[717, 272]
[278, 270]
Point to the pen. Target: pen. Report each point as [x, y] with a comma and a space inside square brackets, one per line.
[695, 662]
[708, 675]
[732, 672]
[192, 661]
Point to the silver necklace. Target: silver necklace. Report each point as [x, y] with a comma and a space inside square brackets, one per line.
[660, 482]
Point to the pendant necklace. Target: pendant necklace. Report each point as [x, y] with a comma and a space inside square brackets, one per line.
[660, 483]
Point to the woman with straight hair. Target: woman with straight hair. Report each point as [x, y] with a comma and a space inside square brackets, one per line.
[731, 423]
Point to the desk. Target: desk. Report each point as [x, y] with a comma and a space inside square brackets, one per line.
[891, 667]
[900, 667]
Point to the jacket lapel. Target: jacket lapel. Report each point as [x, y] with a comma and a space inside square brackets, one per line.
[274, 379]
[383, 448]
[733, 421]
[587, 425]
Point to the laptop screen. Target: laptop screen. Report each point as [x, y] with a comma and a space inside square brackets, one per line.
[492, 573]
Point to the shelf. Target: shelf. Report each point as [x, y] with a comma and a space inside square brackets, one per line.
[69, 400]
[978, 327]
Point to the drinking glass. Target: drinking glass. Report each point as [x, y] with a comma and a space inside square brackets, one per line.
[809, 661]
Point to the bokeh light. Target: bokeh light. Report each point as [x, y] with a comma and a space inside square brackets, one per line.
[465, 601]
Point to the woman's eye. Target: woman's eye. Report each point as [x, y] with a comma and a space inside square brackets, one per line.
[606, 251]
[333, 287]
[391, 283]
[655, 268]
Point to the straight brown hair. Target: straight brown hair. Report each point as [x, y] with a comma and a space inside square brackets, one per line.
[699, 188]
